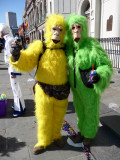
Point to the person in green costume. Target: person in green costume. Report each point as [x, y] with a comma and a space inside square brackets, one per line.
[90, 71]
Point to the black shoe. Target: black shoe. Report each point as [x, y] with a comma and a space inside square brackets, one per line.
[87, 141]
[59, 142]
[18, 113]
[77, 139]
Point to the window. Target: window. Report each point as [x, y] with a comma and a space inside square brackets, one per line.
[40, 12]
[45, 7]
[50, 7]
[109, 23]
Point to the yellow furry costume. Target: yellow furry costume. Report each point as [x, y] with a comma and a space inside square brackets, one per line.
[52, 70]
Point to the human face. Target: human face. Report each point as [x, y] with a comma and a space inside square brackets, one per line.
[76, 31]
[56, 32]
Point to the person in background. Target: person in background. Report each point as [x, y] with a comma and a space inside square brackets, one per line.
[19, 105]
[27, 43]
[18, 40]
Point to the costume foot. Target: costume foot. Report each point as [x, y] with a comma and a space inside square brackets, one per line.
[59, 142]
[77, 139]
[18, 114]
[38, 150]
[86, 142]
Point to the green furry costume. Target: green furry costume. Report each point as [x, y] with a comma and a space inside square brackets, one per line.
[87, 52]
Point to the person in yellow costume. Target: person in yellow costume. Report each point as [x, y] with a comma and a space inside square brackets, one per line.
[52, 87]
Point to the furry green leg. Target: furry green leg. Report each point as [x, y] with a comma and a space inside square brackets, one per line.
[79, 110]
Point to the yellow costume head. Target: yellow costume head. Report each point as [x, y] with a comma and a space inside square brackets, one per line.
[54, 31]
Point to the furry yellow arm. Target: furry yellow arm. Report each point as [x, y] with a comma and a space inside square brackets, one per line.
[28, 58]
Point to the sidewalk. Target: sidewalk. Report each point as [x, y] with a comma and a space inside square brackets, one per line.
[110, 104]
[19, 135]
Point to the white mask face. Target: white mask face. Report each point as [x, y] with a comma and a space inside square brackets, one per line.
[56, 30]
[76, 31]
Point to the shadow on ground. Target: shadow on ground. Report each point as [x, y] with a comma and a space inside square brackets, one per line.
[8, 145]
[110, 121]
[29, 108]
[3, 68]
[53, 147]
[70, 108]
[105, 137]
[100, 140]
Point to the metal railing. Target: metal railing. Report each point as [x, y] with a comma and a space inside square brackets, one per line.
[112, 47]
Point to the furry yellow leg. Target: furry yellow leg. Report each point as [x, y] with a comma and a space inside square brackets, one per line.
[60, 107]
[44, 114]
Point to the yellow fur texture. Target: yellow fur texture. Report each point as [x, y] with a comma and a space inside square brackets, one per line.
[50, 113]
[52, 70]
[29, 57]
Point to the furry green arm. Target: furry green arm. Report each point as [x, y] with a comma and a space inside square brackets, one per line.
[104, 69]
[105, 73]
[28, 58]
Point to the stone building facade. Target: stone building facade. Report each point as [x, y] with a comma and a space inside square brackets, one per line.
[103, 17]
[36, 12]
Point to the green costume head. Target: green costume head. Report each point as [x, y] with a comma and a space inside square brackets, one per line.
[82, 21]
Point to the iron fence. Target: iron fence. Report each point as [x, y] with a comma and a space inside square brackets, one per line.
[112, 47]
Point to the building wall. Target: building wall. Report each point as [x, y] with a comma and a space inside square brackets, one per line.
[91, 9]
[51, 4]
[64, 7]
[95, 18]
[103, 17]
[36, 12]
[110, 23]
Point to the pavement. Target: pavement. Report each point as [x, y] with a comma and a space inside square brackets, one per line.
[19, 135]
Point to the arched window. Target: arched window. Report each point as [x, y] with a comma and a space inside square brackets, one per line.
[37, 16]
[109, 23]
[40, 12]
[45, 9]
[50, 7]
[32, 17]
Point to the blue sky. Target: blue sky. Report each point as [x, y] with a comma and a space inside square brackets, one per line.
[16, 6]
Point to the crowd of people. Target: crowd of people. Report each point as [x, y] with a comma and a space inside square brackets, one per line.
[67, 49]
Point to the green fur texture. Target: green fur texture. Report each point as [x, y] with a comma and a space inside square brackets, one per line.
[88, 51]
